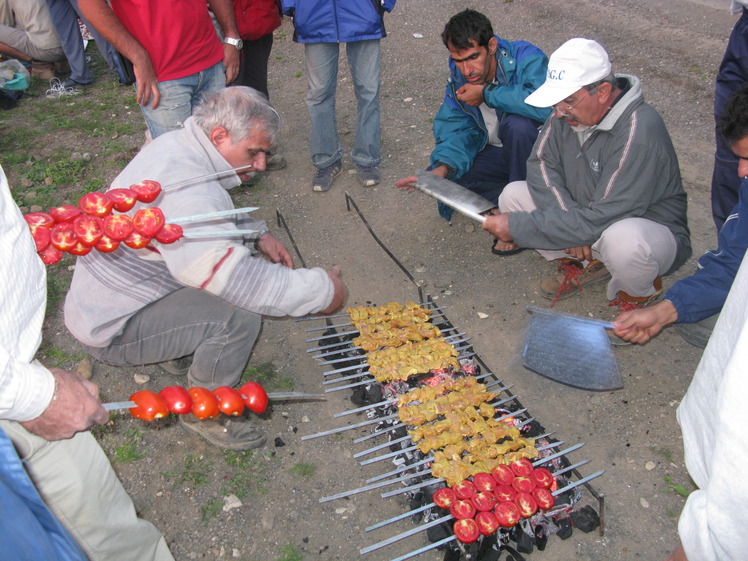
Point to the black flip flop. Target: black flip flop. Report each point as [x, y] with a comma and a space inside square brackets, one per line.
[507, 252]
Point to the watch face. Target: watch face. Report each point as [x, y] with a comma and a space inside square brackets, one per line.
[238, 43]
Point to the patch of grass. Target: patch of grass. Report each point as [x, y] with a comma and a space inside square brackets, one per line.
[666, 453]
[290, 553]
[59, 357]
[210, 510]
[128, 452]
[304, 470]
[298, 74]
[266, 375]
[682, 490]
[195, 471]
[247, 478]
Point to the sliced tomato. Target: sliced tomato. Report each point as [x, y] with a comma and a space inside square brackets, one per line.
[444, 497]
[177, 399]
[464, 489]
[507, 513]
[523, 466]
[487, 523]
[107, 244]
[39, 219]
[462, 509]
[80, 249]
[526, 504]
[230, 401]
[524, 483]
[89, 229]
[466, 530]
[65, 213]
[96, 204]
[543, 478]
[484, 482]
[148, 406]
[505, 493]
[62, 236]
[255, 397]
[169, 233]
[147, 190]
[137, 241]
[122, 199]
[544, 498]
[503, 474]
[485, 500]
[41, 235]
[148, 221]
[118, 226]
[204, 403]
[50, 255]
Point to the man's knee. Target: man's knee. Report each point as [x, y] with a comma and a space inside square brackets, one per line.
[514, 197]
[518, 129]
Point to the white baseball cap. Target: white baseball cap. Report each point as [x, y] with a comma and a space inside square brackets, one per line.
[575, 64]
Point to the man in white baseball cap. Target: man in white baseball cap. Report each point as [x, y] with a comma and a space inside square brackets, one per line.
[603, 194]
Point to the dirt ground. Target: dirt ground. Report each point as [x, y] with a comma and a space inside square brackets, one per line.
[675, 47]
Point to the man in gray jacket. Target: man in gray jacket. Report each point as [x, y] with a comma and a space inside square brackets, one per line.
[199, 299]
[603, 194]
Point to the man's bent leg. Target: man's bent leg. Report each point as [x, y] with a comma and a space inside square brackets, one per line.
[322, 75]
[518, 135]
[78, 484]
[219, 335]
[636, 251]
[488, 175]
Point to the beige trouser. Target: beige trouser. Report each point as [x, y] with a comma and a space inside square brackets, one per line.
[634, 250]
[78, 484]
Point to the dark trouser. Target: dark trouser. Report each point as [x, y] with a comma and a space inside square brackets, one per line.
[219, 335]
[253, 68]
[495, 166]
[733, 73]
[65, 21]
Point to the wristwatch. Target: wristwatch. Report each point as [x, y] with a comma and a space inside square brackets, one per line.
[237, 43]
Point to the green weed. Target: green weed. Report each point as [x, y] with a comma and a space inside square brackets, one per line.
[290, 553]
[682, 490]
[195, 471]
[266, 375]
[211, 509]
[128, 452]
[304, 470]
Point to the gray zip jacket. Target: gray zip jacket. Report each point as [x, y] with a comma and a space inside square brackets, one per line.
[109, 288]
[581, 183]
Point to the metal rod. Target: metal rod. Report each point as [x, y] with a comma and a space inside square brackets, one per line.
[386, 456]
[411, 487]
[202, 177]
[427, 304]
[400, 469]
[212, 215]
[578, 483]
[547, 459]
[380, 446]
[345, 428]
[350, 347]
[323, 347]
[405, 534]
[348, 324]
[321, 337]
[425, 548]
[219, 233]
[398, 517]
[570, 468]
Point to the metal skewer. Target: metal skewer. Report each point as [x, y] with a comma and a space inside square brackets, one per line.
[405, 534]
[212, 215]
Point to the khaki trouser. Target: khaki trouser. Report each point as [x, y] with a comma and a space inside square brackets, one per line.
[78, 484]
[634, 250]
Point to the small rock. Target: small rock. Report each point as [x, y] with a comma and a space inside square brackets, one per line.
[644, 502]
[87, 156]
[85, 368]
[31, 195]
[26, 182]
[481, 315]
[76, 156]
[470, 228]
[408, 99]
[305, 419]
[267, 521]
[418, 35]
[284, 414]
[35, 208]
[341, 510]
[48, 181]
[235, 553]
[141, 378]
[231, 502]
[650, 465]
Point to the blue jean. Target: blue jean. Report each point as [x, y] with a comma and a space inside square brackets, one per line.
[180, 96]
[219, 335]
[364, 60]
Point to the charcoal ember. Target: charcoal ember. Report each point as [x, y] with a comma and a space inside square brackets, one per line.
[512, 554]
[438, 532]
[367, 395]
[564, 528]
[524, 536]
[489, 549]
[452, 553]
[586, 519]
[399, 432]
[541, 537]
[533, 429]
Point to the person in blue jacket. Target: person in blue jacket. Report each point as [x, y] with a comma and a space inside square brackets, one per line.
[321, 25]
[484, 129]
[694, 303]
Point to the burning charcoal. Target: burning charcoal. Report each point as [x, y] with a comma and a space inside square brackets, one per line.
[438, 532]
[522, 536]
[489, 549]
[541, 538]
[586, 519]
[565, 528]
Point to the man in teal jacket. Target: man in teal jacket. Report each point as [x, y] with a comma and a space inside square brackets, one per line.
[484, 129]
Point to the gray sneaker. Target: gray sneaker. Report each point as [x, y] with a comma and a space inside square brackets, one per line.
[274, 162]
[368, 175]
[324, 177]
[177, 366]
[229, 433]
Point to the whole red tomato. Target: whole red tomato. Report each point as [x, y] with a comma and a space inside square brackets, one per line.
[230, 401]
[255, 397]
[464, 489]
[503, 474]
[520, 467]
[96, 204]
[505, 493]
[50, 255]
[544, 498]
[507, 513]
[526, 504]
[65, 213]
[466, 530]
[444, 497]
[462, 509]
[487, 523]
[107, 244]
[543, 478]
[204, 403]
[484, 501]
[177, 399]
[148, 406]
[169, 233]
[88, 229]
[118, 226]
[123, 199]
[146, 190]
[484, 482]
[148, 221]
